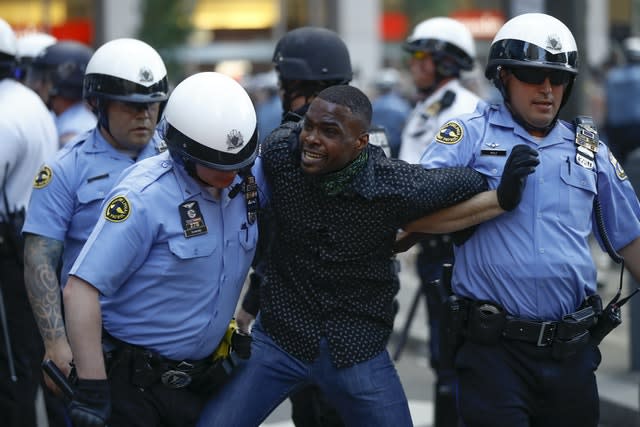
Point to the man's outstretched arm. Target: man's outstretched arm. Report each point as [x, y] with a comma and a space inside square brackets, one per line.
[482, 207]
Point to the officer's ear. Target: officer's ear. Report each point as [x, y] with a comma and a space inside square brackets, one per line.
[503, 74]
[362, 141]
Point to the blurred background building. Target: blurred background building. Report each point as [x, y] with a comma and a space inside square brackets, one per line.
[237, 36]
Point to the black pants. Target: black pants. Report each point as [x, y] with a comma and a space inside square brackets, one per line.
[17, 399]
[152, 406]
[516, 384]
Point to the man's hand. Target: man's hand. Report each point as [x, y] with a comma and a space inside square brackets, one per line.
[60, 353]
[244, 320]
[521, 162]
[91, 404]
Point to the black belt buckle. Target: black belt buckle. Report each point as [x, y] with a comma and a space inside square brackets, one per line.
[543, 339]
[179, 377]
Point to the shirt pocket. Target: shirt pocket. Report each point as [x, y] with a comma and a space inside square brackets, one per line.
[88, 194]
[576, 195]
[192, 248]
[491, 167]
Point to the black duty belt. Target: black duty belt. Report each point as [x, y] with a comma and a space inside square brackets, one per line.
[143, 368]
[538, 333]
[487, 322]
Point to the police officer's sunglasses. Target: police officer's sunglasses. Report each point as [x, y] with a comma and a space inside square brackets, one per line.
[536, 76]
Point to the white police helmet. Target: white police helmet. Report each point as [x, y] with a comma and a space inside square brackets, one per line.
[7, 39]
[444, 36]
[210, 120]
[533, 40]
[126, 70]
[32, 44]
[631, 48]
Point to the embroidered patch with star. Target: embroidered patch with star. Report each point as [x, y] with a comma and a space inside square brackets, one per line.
[450, 133]
[43, 178]
[622, 175]
[118, 209]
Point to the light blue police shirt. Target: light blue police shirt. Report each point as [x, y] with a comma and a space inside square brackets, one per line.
[68, 191]
[535, 261]
[160, 288]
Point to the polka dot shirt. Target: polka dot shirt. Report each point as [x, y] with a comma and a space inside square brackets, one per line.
[329, 271]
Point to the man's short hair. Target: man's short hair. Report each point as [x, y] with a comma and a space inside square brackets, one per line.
[352, 98]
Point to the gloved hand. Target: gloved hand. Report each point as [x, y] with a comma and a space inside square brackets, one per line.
[91, 404]
[521, 162]
[241, 344]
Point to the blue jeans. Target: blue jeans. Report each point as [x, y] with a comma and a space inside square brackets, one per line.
[366, 394]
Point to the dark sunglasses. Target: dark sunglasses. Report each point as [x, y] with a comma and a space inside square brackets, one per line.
[536, 76]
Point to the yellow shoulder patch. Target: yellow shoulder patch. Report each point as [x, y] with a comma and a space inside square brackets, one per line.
[43, 178]
[118, 209]
[622, 175]
[450, 133]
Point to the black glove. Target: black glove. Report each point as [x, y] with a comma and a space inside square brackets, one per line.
[521, 162]
[91, 404]
[241, 344]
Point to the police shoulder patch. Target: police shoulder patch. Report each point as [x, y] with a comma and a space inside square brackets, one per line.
[43, 178]
[450, 133]
[620, 173]
[118, 209]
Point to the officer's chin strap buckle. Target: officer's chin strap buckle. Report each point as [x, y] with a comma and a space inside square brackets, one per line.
[544, 339]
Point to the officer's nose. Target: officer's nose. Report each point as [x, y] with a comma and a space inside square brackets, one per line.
[546, 85]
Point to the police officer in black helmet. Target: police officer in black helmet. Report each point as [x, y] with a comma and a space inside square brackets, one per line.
[302, 74]
[56, 74]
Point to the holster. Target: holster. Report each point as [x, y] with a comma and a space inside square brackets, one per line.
[607, 320]
[454, 322]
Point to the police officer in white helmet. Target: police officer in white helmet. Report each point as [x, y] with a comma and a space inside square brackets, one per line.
[162, 271]
[526, 282]
[441, 49]
[127, 86]
[28, 137]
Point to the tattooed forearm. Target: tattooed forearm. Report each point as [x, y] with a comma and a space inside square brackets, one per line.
[41, 257]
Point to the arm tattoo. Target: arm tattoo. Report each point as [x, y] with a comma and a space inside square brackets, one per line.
[41, 258]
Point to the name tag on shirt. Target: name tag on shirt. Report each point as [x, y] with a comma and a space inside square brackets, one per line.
[192, 221]
[493, 152]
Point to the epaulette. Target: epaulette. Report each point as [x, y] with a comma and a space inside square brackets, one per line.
[442, 104]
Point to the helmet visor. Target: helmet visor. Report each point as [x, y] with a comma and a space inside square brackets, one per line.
[522, 53]
[124, 90]
[210, 157]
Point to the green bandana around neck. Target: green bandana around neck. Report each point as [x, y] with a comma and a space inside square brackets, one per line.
[334, 183]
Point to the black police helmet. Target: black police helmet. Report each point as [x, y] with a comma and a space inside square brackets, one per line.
[65, 63]
[312, 53]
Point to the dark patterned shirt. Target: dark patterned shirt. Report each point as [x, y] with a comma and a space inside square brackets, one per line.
[330, 270]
